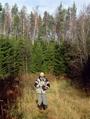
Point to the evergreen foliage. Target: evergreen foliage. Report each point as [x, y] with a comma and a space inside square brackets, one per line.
[59, 60]
[14, 57]
[42, 56]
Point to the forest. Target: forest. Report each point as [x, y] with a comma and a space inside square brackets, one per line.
[56, 44]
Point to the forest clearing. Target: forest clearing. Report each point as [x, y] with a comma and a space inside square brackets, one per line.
[64, 101]
[55, 44]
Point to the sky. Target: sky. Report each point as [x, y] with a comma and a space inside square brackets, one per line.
[49, 5]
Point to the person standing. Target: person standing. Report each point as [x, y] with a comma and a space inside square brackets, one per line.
[42, 84]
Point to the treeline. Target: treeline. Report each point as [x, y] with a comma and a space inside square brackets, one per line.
[18, 23]
[56, 44]
[20, 56]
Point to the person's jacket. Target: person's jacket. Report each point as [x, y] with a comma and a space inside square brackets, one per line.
[41, 85]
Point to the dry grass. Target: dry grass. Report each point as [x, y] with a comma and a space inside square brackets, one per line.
[64, 101]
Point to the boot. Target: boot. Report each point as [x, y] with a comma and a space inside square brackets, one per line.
[40, 107]
[45, 107]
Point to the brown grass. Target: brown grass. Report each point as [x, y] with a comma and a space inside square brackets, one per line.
[64, 101]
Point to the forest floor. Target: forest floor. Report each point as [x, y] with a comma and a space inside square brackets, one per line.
[64, 101]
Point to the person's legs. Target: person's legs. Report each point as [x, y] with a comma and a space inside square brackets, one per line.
[44, 99]
[40, 101]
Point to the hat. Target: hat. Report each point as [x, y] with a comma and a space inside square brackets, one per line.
[42, 74]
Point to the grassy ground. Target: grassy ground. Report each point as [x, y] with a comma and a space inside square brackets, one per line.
[64, 101]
